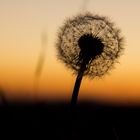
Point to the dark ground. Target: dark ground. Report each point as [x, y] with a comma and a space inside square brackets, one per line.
[58, 121]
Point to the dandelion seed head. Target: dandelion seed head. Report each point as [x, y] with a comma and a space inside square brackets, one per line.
[92, 39]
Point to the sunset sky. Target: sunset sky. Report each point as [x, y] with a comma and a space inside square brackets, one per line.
[22, 23]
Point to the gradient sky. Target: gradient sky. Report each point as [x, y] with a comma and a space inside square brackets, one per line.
[22, 23]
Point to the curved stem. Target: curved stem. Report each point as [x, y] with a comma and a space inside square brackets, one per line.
[78, 83]
[76, 88]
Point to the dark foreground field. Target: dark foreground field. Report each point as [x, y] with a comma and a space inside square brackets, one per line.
[58, 121]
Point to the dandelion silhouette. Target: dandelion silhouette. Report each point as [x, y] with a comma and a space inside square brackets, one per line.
[89, 45]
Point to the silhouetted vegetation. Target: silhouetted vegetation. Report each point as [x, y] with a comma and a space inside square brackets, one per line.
[40, 62]
[2, 97]
[56, 121]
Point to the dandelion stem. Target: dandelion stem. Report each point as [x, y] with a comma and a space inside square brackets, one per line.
[77, 85]
[76, 89]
